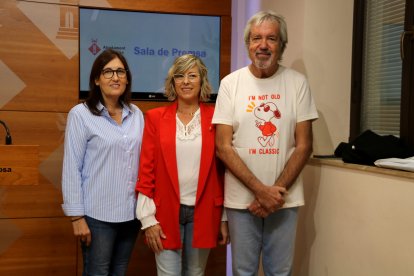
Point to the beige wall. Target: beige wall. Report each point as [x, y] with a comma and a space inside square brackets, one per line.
[327, 57]
[354, 222]
[320, 43]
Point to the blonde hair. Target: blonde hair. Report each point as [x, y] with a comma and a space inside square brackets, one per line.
[182, 64]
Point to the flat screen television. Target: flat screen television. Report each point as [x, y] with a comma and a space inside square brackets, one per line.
[150, 42]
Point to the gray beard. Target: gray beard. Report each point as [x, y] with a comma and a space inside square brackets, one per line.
[263, 64]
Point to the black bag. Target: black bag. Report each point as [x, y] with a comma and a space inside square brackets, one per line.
[369, 147]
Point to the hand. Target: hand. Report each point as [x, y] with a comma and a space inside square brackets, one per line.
[81, 230]
[153, 235]
[271, 198]
[256, 209]
[224, 237]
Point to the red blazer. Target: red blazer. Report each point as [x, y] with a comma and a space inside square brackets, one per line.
[158, 177]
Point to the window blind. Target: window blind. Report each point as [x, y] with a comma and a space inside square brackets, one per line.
[382, 66]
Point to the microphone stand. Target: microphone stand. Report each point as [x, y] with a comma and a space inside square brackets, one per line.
[8, 136]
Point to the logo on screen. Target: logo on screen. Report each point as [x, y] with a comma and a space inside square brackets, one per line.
[94, 48]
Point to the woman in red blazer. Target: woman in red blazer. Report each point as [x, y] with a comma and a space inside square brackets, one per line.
[180, 184]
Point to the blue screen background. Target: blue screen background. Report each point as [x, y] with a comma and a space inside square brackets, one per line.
[150, 42]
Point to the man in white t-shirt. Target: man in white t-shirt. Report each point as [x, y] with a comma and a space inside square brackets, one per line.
[263, 118]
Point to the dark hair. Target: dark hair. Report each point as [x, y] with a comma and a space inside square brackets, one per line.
[95, 93]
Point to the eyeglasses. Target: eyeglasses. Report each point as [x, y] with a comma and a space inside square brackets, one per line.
[192, 77]
[109, 73]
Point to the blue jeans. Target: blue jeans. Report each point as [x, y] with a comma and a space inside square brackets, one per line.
[191, 262]
[111, 247]
[273, 236]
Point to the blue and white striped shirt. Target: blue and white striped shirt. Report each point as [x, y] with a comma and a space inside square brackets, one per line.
[100, 164]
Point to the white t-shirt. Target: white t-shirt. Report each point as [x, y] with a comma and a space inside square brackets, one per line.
[263, 114]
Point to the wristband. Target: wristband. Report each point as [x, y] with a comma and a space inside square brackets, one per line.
[75, 219]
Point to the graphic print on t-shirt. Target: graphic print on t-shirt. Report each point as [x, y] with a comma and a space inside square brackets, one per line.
[265, 115]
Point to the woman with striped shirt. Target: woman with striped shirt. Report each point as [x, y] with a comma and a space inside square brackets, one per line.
[102, 146]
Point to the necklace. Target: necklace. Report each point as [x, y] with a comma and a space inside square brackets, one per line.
[187, 113]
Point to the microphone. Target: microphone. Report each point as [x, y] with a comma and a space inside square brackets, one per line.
[8, 136]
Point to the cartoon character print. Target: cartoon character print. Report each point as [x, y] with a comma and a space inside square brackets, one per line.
[265, 112]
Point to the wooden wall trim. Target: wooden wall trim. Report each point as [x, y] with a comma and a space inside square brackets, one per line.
[19, 165]
[211, 7]
[42, 85]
